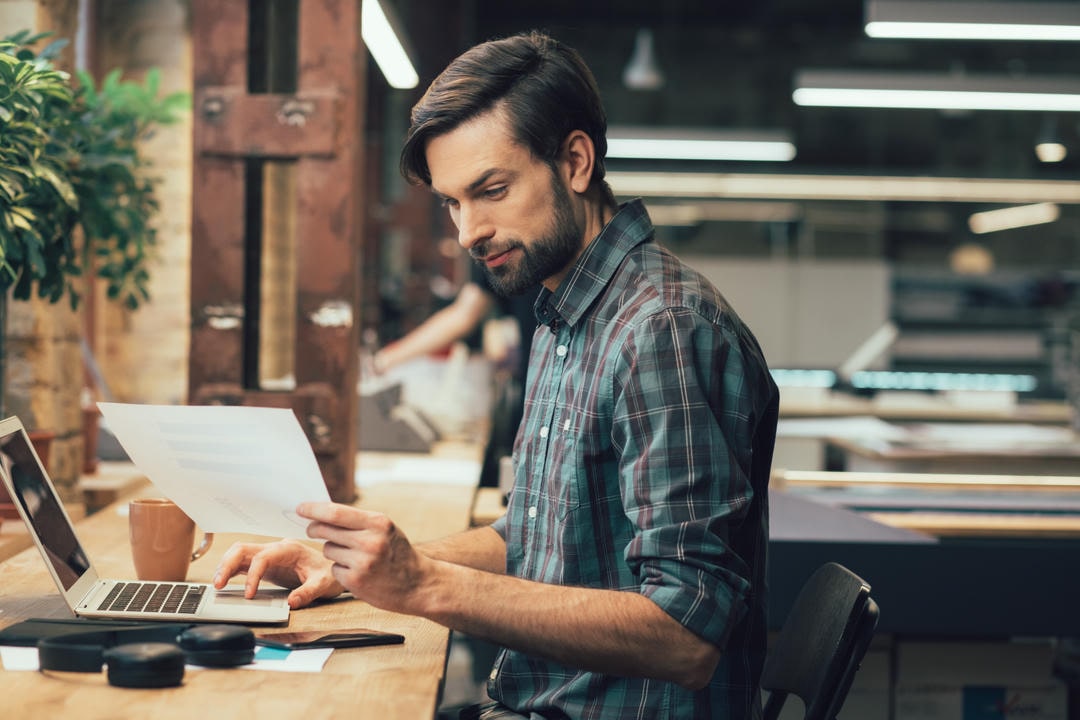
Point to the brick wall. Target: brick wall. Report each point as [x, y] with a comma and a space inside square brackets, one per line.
[44, 381]
[143, 354]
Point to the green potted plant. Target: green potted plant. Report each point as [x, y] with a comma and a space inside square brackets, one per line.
[75, 196]
[70, 159]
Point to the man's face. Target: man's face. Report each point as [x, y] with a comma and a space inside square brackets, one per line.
[513, 212]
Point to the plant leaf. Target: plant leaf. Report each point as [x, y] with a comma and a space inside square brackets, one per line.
[59, 183]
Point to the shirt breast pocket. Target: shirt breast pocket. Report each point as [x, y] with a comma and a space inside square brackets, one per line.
[552, 492]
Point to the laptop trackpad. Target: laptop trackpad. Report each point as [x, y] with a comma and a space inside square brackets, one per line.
[263, 598]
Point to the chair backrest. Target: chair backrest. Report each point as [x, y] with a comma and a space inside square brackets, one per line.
[821, 644]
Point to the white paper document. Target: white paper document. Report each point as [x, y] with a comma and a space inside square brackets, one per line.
[231, 468]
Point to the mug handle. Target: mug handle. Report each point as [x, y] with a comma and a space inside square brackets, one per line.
[207, 541]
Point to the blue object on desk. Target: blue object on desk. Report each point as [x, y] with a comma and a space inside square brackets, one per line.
[270, 653]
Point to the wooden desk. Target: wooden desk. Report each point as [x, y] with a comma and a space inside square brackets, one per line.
[13, 538]
[983, 525]
[999, 455]
[110, 481]
[389, 682]
[804, 440]
[950, 505]
[488, 506]
[922, 407]
[955, 588]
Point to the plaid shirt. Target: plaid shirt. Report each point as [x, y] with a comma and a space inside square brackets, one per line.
[642, 465]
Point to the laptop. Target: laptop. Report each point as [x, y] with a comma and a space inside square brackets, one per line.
[87, 594]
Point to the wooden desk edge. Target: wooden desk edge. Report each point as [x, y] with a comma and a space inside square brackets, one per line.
[782, 478]
[487, 507]
[1037, 412]
[111, 481]
[945, 523]
[953, 524]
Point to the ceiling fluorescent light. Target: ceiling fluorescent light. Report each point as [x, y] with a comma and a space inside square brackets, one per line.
[690, 214]
[838, 88]
[768, 186]
[377, 31]
[1013, 217]
[698, 144]
[965, 20]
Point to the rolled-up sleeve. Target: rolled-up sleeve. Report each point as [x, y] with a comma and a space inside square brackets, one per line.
[499, 526]
[682, 424]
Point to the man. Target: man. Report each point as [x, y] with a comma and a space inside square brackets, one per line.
[627, 578]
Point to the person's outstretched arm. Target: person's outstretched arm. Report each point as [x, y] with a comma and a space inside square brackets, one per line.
[448, 325]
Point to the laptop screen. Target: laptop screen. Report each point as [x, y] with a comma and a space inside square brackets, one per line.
[38, 499]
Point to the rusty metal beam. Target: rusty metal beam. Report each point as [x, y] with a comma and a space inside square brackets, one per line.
[240, 125]
[320, 127]
[329, 224]
[219, 33]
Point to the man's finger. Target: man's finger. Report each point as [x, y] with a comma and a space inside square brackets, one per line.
[332, 534]
[298, 599]
[233, 562]
[256, 569]
[342, 516]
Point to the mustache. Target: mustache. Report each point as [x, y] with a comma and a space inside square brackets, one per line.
[487, 249]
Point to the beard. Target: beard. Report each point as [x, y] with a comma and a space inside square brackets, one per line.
[543, 257]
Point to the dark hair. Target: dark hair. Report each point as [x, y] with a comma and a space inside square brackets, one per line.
[545, 86]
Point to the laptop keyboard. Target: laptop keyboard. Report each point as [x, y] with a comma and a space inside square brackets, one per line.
[151, 597]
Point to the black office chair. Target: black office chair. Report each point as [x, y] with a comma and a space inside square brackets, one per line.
[822, 644]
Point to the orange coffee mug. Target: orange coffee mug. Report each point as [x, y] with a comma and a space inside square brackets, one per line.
[162, 537]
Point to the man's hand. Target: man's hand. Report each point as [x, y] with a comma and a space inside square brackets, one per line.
[371, 557]
[287, 563]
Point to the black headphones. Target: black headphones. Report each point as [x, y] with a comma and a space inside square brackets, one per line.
[148, 657]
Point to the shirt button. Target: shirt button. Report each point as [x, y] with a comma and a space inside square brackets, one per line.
[561, 351]
[544, 432]
[566, 425]
[532, 512]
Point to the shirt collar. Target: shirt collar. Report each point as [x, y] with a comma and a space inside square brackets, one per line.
[594, 269]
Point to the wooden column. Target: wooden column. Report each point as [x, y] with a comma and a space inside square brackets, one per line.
[317, 127]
